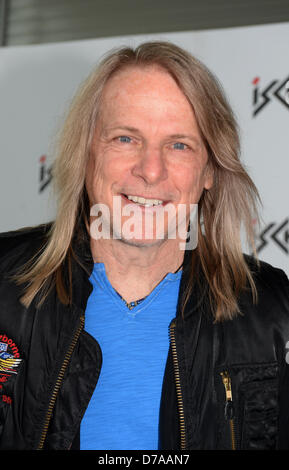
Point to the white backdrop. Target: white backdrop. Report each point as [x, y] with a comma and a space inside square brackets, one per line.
[37, 83]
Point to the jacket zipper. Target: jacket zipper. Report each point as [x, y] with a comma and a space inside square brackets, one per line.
[58, 383]
[229, 409]
[178, 386]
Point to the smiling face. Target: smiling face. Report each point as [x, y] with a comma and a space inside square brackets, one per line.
[146, 144]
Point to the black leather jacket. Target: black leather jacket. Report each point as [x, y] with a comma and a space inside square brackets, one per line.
[226, 385]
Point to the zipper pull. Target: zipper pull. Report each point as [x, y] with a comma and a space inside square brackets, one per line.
[229, 408]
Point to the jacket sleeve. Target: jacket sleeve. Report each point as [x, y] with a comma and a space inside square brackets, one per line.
[283, 434]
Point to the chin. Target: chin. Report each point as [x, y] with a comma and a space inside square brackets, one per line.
[142, 243]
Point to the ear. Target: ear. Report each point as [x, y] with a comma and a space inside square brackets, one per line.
[209, 176]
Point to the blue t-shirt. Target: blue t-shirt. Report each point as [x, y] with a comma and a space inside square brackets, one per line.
[123, 413]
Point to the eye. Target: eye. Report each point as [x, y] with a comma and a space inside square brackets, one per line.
[179, 146]
[124, 139]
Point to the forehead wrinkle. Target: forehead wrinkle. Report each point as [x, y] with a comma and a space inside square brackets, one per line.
[120, 102]
[123, 114]
[136, 79]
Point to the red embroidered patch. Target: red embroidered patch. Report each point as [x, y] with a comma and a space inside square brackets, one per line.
[7, 399]
[9, 358]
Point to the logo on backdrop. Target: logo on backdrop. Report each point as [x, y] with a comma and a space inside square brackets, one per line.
[45, 174]
[276, 233]
[264, 94]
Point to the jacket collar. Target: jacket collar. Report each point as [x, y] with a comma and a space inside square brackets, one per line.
[198, 299]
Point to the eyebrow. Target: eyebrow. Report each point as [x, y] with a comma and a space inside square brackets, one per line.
[171, 136]
[124, 128]
[186, 136]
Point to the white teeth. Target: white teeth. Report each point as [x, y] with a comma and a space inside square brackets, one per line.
[146, 202]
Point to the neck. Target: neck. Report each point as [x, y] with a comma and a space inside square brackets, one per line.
[134, 270]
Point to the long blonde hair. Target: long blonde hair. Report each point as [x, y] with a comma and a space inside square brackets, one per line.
[229, 206]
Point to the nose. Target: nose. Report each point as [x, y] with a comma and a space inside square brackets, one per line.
[150, 166]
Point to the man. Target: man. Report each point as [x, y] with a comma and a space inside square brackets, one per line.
[115, 337]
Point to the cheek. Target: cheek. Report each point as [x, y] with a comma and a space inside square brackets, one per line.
[190, 182]
[94, 179]
[186, 178]
[103, 171]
